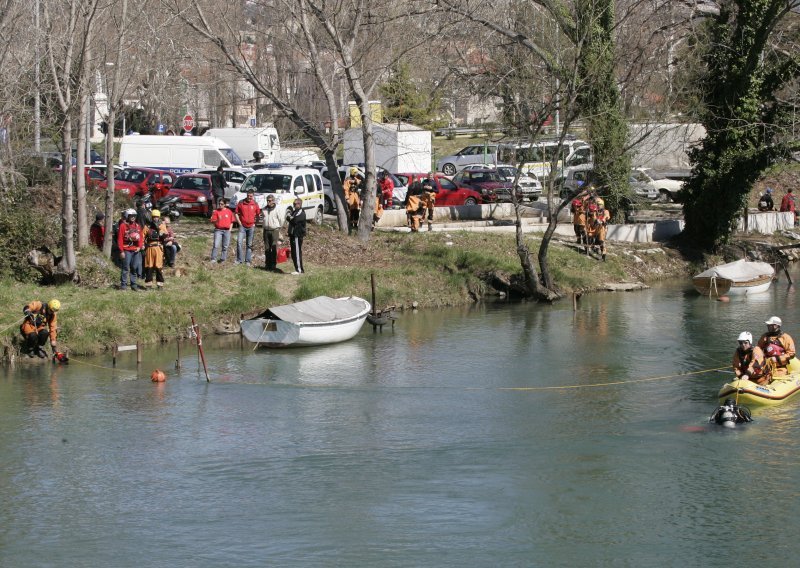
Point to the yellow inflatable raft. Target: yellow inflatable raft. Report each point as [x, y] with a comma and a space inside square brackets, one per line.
[778, 391]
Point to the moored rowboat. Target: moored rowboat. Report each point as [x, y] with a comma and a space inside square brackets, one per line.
[317, 321]
[739, 278]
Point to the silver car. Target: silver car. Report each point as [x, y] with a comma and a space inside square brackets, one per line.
[480, 154]
[234, 178]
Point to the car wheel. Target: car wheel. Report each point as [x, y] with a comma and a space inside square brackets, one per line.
[318, 216]
[449, 170]
[470, 201]
[328, 206]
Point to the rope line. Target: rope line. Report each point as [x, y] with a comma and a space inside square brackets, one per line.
[613, 383]
[5, 329]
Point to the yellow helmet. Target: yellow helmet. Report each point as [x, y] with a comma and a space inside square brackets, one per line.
[155, 213]
[353, 171]
[600, 202]
[54, 305]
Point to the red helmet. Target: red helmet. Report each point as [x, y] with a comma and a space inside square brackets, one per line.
[592, 207]
[577, 203]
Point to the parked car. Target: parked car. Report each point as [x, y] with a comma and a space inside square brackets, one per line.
[138, 180]
[194, 191]
[668, 189]
[234, 177]
[286, 183]
[483, 154]
[448, 193]
[528, 187]
[485, 181]
[398, 193]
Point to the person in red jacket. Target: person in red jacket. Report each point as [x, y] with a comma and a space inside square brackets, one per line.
[130, 240]
[788, 204]
[222, 218]
[247, 213]
[97, 231]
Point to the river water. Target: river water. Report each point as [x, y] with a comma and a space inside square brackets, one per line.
[482, 436]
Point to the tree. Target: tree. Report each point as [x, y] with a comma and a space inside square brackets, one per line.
[406, 101]
[747, 67]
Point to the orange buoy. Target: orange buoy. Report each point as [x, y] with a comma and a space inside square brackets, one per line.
[723, 299]
[158, 376]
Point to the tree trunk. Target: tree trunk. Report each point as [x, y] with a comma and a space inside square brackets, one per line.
[80, 176]
[109, 204]
[68, 262]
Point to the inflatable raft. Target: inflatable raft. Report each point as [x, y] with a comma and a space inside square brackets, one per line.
[778, 391]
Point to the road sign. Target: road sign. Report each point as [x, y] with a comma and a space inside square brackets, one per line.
[188, 123]
[252, 121]
[160, 128]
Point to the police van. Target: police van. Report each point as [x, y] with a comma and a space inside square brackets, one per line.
[285, 183]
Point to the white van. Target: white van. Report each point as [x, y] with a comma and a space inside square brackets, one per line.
[177, 154]
[245, 141]
[285, 183]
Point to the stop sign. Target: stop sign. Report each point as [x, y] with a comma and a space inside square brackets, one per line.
[188, 123]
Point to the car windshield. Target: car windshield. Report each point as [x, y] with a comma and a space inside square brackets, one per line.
[267, 183]
[403, 179]
[232, 156]
[133, 176]
[482, 177]
[507, 172]
[192, 182]
[445, 183]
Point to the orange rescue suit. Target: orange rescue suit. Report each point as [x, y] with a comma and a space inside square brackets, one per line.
[784, 341]
[41, 318]
[751, 363]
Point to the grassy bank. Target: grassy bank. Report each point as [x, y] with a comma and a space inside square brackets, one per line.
[429, 269]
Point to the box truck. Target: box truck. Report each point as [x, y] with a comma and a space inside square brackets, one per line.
[177, 154]
[245, 141]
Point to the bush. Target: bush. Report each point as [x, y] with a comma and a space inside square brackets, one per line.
[22, 229]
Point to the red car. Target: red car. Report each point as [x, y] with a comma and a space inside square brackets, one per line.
[194, 191]
[488, 182]
[448, 192]
[137, 180]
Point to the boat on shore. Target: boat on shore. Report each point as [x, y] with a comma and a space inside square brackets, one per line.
[739, 278]
[780, 390]
[317, 321]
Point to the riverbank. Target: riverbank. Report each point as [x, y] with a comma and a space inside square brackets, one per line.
[424, 270]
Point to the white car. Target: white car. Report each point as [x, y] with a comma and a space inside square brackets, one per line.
[665, 187]
[233, 176]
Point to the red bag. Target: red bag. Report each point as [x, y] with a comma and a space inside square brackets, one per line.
[283, 254]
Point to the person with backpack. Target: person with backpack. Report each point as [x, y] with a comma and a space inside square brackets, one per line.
[130, 240]
[765, 202]
[154, 251]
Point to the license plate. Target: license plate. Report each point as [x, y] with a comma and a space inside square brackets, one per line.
[185, 205]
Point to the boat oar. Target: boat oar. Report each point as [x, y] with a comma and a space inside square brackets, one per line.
[196, 331]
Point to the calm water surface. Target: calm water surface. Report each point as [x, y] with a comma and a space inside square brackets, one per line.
[435, 445]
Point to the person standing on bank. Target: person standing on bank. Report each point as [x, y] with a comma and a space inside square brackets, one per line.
[297, 231]
[272, 234]
[218, 185]
[130, 240]
[222, 218]
[247, 212]
[97, 231]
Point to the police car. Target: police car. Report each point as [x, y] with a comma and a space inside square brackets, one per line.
[285, 183]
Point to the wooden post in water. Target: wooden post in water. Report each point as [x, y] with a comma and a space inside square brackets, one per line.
[374, 309]
[114, 355]
[138, 353]
[178, 360]
[196, 330]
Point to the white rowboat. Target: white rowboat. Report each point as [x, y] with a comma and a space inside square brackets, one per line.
[317, 321]
[739, 278]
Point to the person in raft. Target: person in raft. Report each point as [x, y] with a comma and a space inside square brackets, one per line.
[749, 361]
[778, 346]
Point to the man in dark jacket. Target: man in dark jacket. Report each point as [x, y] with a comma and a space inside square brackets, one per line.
[218, 185]
[297, 231]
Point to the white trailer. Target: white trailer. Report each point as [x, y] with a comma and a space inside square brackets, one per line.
[245, 141]
[398, 147]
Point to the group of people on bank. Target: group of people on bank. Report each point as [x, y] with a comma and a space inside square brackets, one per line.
[788, 203]
[767, 359]
[590, 221]
[246, 215]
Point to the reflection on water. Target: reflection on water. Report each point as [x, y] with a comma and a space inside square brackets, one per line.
[408, 448]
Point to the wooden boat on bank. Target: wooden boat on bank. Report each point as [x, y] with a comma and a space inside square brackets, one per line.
[317, 321]
[739, 278]
[778, 391]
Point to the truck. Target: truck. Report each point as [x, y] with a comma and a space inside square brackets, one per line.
[246, 141]
[177, 154]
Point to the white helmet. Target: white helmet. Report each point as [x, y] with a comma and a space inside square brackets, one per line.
[130, 212]
[774, 320]
[746, 336]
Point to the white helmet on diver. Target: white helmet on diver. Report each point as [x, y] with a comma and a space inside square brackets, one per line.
[745, 336]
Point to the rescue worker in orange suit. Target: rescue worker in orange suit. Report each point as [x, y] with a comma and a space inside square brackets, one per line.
[378, 212]
[352, 189]
[429, 191]
[414, 206]
[154, 235]
[41, 322]
[596, 222]
[579, 222]
[778, 346]
[749, 361]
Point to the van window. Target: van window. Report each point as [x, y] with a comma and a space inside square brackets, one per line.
[318, 183]
[298, 186]
[212, 158]
[267, 183]
[167, 178]
[310, 182]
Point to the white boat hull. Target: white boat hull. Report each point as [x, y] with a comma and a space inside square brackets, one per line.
[278, 333]
[749, 290]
